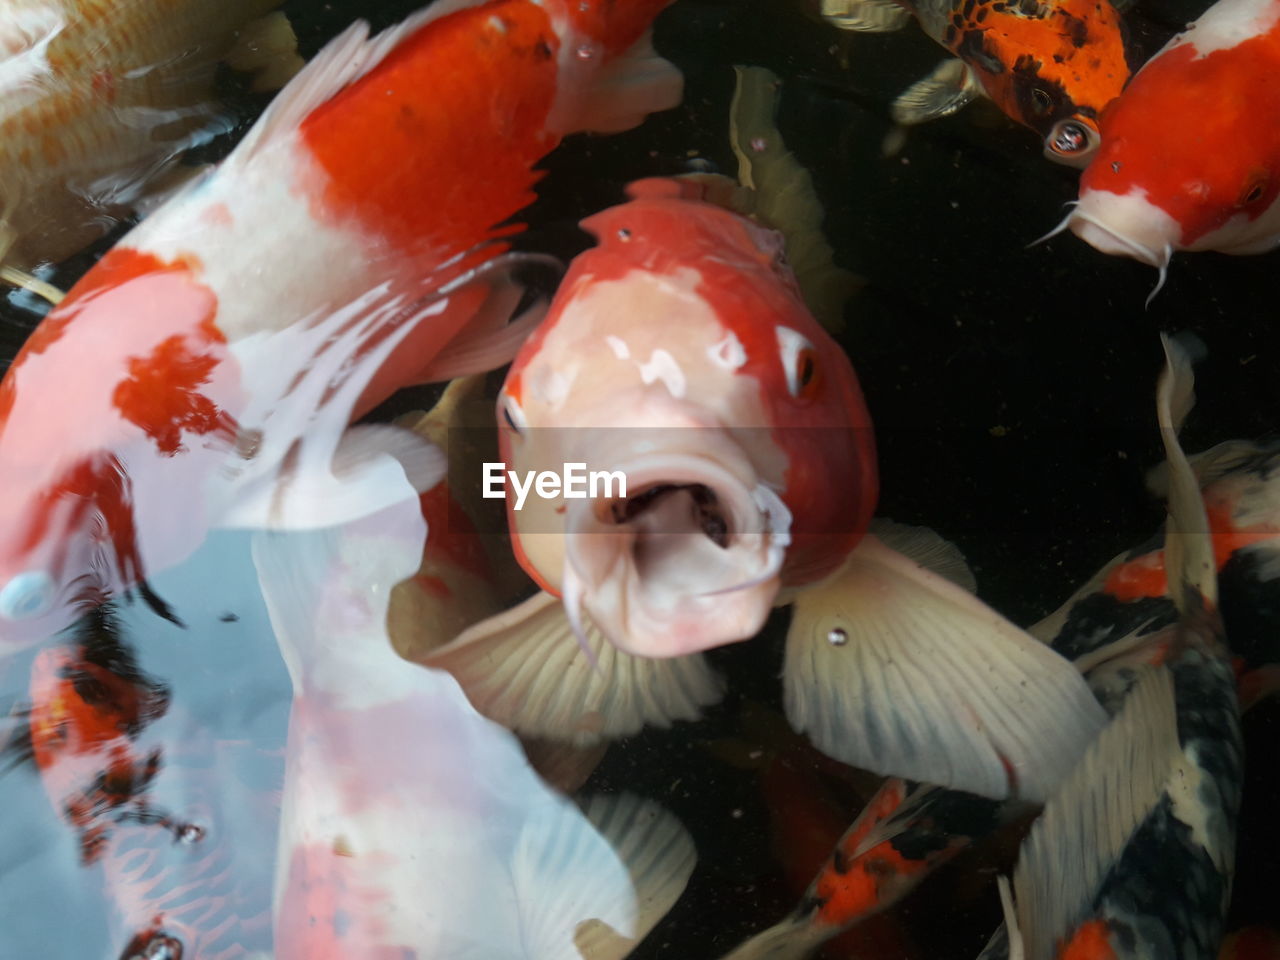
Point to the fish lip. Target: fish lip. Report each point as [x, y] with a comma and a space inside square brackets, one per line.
[730, 494]
[1114, 242]
[654, 596]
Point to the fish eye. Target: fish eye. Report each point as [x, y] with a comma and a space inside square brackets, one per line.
[27, 595]
[799, 361]
[1253, 191]
[1071, 141]
[1042, 103]
[513, 415]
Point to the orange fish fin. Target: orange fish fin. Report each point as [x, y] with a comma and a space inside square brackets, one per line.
[895, 669]
[1088, 822]
[525, 670]
[629, 88]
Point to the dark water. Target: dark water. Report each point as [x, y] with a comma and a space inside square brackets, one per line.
[1011, 389]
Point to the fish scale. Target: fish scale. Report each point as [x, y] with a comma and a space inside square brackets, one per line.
[94, 96]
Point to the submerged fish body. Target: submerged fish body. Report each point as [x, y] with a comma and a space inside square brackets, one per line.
[84, 723]
[411, 826]
[1154, 189]
[190, 885]
[679, 354]
[181, 383]
[1051, 65]
[96, 96]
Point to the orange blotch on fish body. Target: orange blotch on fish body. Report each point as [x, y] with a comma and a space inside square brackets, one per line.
[1090, 942]
[455, 97]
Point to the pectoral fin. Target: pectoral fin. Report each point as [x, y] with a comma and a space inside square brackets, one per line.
[895, 669]
[866, 16]
[952, 85]
[525, 670]
[659, 856]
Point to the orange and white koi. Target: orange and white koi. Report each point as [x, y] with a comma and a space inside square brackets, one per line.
[1153, 190]
[679, 354]
[84, 722]
[183, 386]
[96, 98]
[1051, 65]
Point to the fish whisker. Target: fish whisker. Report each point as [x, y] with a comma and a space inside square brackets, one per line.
[1065, 222]
[1164, 273]
[571, 594]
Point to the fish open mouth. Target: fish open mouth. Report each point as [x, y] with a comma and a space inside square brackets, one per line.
[687, 558]
[696, 502]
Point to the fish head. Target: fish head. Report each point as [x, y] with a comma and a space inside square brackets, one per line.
[1184, 163]
[1053, 67]
[723, 441]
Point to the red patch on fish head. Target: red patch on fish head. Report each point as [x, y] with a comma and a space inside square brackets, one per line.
[813, 409]
[1187, 134]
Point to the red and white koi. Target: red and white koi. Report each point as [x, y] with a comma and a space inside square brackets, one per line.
[182, 385]
[1159, 186]
[679, 353]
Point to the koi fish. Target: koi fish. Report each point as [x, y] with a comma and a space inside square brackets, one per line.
[908, 831]
[905, 832]
[1151, 190]
[178, 365]
[96, 98]
[679, 354]
[462, 850]
[85, 718]
[167, 882]
[1134, 856]
[1051, 65]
